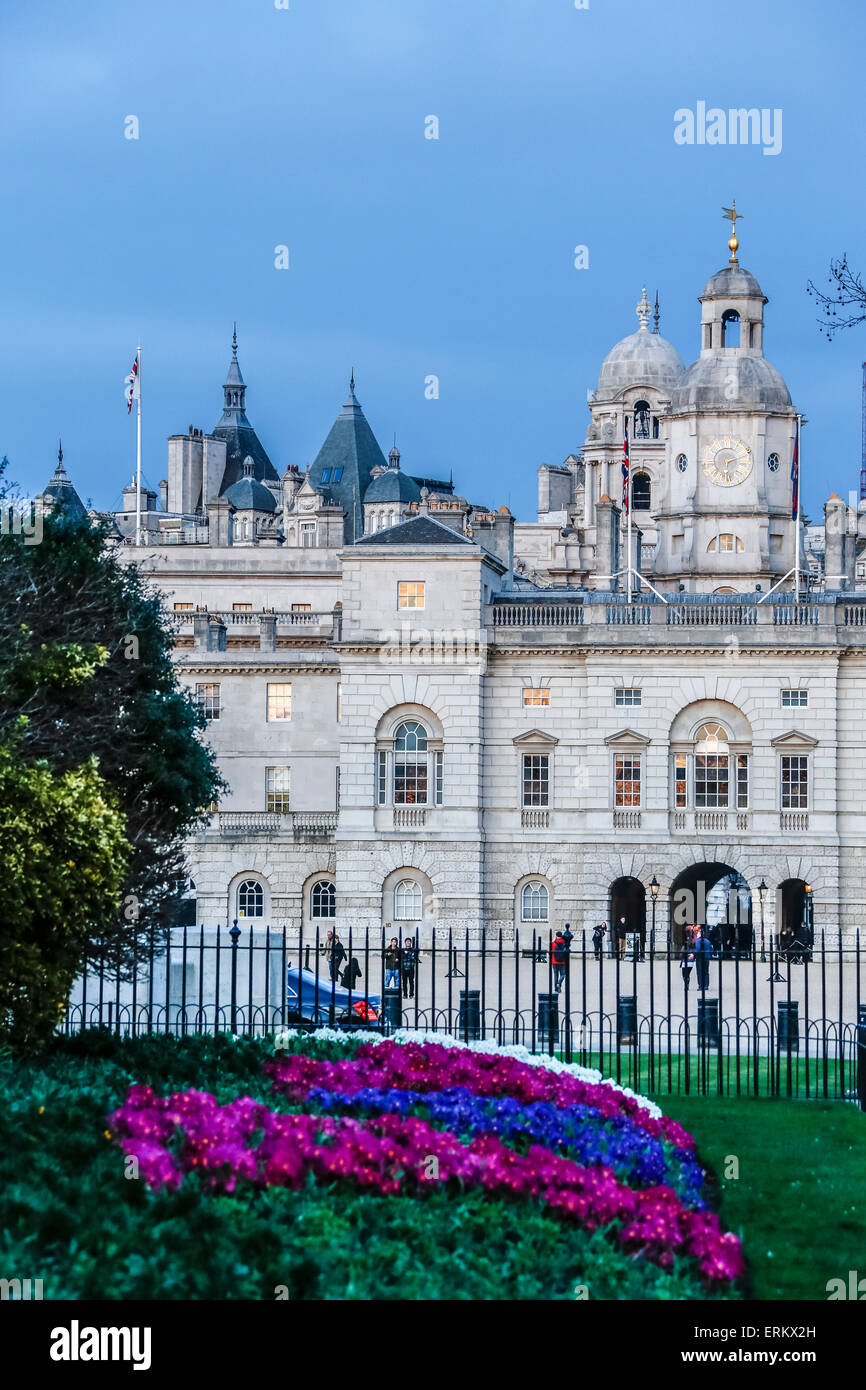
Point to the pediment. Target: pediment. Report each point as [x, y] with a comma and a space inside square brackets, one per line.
[628, 736]
[794, 738]
[535, 736]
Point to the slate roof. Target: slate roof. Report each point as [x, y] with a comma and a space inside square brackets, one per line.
[351, 446]
[61, 491]
[249, 493]
[393, 486]
[418, 530]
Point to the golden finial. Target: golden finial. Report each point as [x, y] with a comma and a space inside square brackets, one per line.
[732, 214]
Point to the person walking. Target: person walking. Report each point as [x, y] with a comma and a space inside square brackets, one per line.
[351, 975]
[410, 961]
[392, 965]
[687, 960]
[336, 956]
[558, 959]
[621, 932]
[599, 932]
[703, 956]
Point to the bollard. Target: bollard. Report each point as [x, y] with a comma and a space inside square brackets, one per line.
[548, 1019]
[709, 1031]
[392, 1009]
[626, 1018]
[788, 1025]
[469, 1017]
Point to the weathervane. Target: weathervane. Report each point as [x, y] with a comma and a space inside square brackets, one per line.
[732, 214]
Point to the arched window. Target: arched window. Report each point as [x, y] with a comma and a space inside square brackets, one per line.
[730, 329]
[712, 767]
[408, 900]
[640, 492]
[641, 420]
[410, 765]
[323, 901]
[251, 899]
[727, 543]
[534, 902]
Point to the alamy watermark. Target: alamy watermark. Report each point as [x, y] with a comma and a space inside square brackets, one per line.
[737, 126]
[19, 516]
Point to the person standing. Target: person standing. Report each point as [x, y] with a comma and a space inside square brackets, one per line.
[336, 956]
[392, 965]
[703, 956]
[621, 933]
[558, 959]
[599, 932]
[687, 960]
[410, 961]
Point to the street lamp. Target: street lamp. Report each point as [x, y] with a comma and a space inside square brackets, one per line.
[762, 888]
[654, 892]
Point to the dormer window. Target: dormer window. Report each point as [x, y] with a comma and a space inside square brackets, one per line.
[326, 475]
[336, 475]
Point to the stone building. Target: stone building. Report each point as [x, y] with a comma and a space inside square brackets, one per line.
[434, 717]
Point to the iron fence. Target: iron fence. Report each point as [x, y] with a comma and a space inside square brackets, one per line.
[755, 1021]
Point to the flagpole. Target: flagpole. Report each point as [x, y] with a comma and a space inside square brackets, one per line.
[138, 457]
[628, 494]
[798, 444]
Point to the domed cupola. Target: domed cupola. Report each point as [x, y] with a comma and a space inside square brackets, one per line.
[643, 358]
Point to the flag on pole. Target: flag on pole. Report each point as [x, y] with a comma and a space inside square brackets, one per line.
[133, 389]
[795, 473]
[625, 471]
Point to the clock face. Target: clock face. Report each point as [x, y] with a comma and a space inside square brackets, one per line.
[727, 461]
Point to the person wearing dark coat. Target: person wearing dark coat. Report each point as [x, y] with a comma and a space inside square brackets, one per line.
[351, 974]
[703, 956]
[392, 965]
[407, 970]
[687, 960]
[598, 934]
[620, 933]
[336, 956]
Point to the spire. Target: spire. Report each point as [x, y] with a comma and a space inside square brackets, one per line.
[643, 309]
[394, 455]
[656, 314]
[234, 390]
[60, 471]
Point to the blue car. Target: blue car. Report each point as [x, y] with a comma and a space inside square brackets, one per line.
[317, 1001]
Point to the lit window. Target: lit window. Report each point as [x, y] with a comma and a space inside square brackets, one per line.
[680, 782]
[534, 695]
[277, 783]
[536, 779]
[795, 782]
[627, 780]
[302, 607]
[408, 900]
[251, 899]
[410, 765]
[208, 697]
[410, 594]
[183, 608]
[726, 543]
[323, 901]
[712, 767]
[242, 608]
[534, 902]
[279, 701]
[627, 695]
[308, 534]
[795, 699]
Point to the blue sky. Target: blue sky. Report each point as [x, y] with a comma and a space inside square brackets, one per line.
[408, 257]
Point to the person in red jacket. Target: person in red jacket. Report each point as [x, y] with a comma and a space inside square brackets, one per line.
[558, 959]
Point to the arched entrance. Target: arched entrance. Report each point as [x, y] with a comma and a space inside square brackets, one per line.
[717, 897]
[795, 914]
[628, 900]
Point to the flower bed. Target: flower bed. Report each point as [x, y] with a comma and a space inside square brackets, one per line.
[413, 1117]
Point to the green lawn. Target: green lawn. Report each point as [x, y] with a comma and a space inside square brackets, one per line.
[799, 1202]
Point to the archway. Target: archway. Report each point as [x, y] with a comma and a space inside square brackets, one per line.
[715, 896]
[628, 900]
[795, 911]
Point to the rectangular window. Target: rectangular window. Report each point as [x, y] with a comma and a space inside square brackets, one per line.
[535, 695]
[308, 534]
[711, 781]
[339, 701]
[681, 799]
[279, 701]
[410, 778]
[183, 608]
[439, 778]
[302, 607]
[795, 699]
[795, 782]
[326, 475]
[742, 781]
[336, 475]
[208, 697]
[536, 779]
[381, 778]
[627, 780]
[277, 783]
[626, 695]
[242, 608]
[410, 593]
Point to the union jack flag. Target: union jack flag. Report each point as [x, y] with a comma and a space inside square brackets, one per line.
[795, 474]
[132, 385]
[625, 472]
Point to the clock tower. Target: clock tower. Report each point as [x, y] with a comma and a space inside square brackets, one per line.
[724, 522]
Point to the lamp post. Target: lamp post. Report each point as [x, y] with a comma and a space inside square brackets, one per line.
[762, 888]
[654, 892]
[809, 916]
